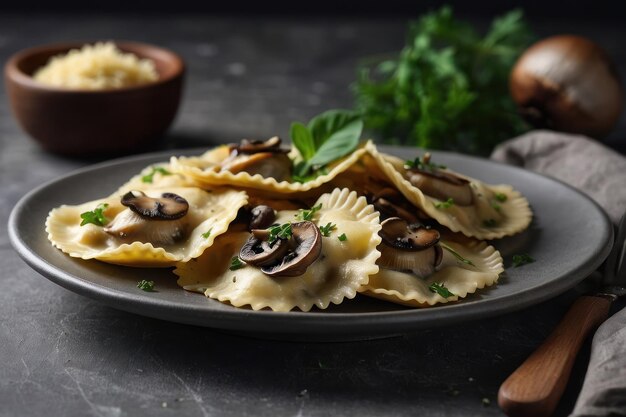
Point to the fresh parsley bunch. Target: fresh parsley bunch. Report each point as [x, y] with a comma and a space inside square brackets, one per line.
[448, 88]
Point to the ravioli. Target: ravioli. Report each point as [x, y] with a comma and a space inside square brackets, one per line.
[208, 216]
[158, 175]
[343, 266]
[496, 211]
[241, 228]
[206, 170]
[458, 277]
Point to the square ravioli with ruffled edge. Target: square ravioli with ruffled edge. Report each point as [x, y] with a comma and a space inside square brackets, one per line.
[460, 203]
[257, 165]
[291, 259]
[151, 228]
[421, 266]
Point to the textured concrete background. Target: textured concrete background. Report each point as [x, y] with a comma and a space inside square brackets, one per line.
[63, 354]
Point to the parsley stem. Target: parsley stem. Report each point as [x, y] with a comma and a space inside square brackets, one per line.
[456, 254]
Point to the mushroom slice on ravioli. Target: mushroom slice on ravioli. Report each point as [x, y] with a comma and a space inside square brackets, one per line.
[304, 258]
[256, 165]
[145, 228]
[419, 268]
[460, 203]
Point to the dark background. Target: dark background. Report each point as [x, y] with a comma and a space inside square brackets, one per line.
[587, 9]
[601, 21]
[572, 9]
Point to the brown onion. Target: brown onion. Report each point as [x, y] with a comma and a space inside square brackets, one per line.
[570, 84]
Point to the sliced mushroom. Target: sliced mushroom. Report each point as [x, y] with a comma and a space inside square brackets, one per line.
[387, 209]
[285, 257]
[391, 203]
[260, 253]
[442, 187]
[262, 217]
[255, 146]
[397, 233]
[305, 247]
[266, 164]
[410, 248]
[441, 184]
[160, 221]
[169, 206]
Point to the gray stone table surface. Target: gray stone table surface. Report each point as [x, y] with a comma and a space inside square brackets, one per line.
[63, 354]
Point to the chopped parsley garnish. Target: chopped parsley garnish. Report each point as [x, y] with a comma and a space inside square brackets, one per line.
[207, 233]
[326, 230]
[423, 163]
[501, 197]
[441, 290]
[456, 254]
[146, 285]
[282, 231]
[495, 206]
[445, 204]
[307, 215]
[522, 259]
[343, 237]
[96, 216]
[490, 222]
[150, 177]
[236, 263]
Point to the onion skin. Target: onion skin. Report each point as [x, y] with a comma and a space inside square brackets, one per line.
[568, 83]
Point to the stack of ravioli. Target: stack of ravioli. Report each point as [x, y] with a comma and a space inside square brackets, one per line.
[409, 232]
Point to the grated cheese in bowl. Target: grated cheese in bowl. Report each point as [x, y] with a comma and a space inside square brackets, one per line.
[101, 66]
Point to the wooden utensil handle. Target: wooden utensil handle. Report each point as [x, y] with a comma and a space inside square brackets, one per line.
[534, 389]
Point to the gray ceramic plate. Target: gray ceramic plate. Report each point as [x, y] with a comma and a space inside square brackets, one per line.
[569, 238]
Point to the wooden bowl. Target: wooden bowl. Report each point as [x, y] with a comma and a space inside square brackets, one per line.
[91, 122]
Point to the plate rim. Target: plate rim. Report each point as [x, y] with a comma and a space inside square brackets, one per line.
[310, 323]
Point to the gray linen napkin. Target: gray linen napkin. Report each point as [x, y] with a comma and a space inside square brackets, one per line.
[601, 173]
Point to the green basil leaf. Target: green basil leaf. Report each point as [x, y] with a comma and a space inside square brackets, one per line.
[306, 177]
[325, 125]
[338, 144]
[301, 170]
[302, 140]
